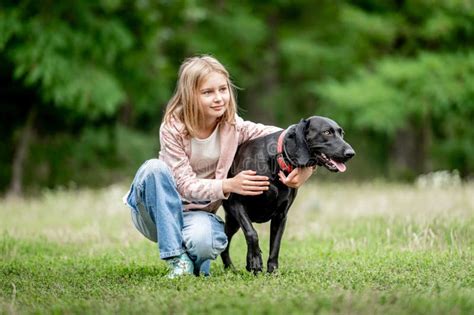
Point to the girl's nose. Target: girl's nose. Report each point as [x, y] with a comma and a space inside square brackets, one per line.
[218, 97]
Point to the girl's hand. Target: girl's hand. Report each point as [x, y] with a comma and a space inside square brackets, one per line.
[297, 177]
[246, 183]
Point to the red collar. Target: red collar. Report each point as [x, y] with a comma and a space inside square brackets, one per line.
[280, 159]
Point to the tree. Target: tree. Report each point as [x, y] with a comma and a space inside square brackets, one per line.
[87, 58]
[419, 97]
[396, 74]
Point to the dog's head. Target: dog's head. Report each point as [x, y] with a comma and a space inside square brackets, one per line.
[318, 141]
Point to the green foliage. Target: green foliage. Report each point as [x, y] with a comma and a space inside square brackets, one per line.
[95, 157]
[396, 89]
[433, 91]
[380, 68]
[69, 58]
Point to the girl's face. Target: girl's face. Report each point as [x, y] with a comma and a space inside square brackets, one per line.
[214, 96]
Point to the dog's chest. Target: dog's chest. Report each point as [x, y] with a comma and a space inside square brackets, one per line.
[268, 205]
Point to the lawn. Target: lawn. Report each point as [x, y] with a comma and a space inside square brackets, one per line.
[371, 248]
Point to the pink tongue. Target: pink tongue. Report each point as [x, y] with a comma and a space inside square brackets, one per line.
[340, 166]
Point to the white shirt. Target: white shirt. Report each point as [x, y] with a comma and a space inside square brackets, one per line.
[205, 154]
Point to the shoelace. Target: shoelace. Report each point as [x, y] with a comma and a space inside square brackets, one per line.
[176, 262]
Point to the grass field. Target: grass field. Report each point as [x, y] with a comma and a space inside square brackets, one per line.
[348, 249]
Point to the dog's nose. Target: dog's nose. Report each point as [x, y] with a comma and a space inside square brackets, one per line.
[348, 153]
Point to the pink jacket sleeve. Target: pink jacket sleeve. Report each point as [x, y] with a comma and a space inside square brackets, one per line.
[250, 130]
[189, 186]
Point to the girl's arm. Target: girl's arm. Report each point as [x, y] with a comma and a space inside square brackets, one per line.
[197, 189]
[250, 130]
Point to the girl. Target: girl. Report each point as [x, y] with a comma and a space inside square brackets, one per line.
[174, 198]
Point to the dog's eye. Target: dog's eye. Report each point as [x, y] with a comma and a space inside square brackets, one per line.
[341, 132]
[327, 132]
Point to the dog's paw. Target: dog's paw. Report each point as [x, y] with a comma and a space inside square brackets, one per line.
[255, 263]
[272, 267]
[230, 267]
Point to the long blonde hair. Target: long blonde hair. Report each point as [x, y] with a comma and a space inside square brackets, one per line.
[184, 105]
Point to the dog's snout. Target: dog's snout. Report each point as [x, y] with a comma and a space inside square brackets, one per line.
[349, 153]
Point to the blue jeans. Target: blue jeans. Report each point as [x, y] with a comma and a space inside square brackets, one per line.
[158, 214]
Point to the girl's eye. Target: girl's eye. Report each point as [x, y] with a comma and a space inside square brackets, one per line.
[223, 89]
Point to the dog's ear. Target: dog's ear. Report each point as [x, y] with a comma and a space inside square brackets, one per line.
[296, 147]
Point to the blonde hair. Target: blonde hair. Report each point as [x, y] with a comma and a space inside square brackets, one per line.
[185, 104]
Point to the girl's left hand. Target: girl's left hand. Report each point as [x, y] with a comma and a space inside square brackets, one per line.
[297, 177]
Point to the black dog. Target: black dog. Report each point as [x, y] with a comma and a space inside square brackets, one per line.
[313, 141]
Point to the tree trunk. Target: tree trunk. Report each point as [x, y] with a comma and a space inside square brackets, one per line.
[411, 147]
[260, 98]
[21, 155]
[126, 114]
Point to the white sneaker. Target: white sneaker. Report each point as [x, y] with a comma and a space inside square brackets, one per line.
[180, 265]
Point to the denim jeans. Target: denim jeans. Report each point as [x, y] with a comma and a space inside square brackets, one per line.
[158, 214]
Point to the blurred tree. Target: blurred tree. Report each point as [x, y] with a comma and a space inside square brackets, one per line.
[424, 105]
[418, 98]
[92, 75]
[89, 58]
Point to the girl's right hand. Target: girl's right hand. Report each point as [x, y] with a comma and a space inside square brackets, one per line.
[246, 183]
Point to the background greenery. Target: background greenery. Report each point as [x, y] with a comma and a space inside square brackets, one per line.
[83, 84]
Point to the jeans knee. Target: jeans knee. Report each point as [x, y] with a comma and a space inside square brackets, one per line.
[199, 246]
[156, 169]
[204, 245]
[155, 166]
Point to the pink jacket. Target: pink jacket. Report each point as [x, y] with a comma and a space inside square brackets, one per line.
[204, 194]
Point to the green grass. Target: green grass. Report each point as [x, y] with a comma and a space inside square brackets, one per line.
[348, 249]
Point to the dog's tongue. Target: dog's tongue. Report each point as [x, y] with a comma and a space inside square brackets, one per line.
[341, 167]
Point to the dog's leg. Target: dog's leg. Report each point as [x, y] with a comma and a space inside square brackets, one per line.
[254, 254]
[277, 227]
[230, 228]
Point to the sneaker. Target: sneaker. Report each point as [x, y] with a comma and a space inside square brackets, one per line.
[179, 266]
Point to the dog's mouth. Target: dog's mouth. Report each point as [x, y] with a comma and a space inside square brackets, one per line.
[330, 164]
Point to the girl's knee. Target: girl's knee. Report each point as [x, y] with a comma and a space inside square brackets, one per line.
[211, 248]
[200, 249]
[155, 166]
[204, 242]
